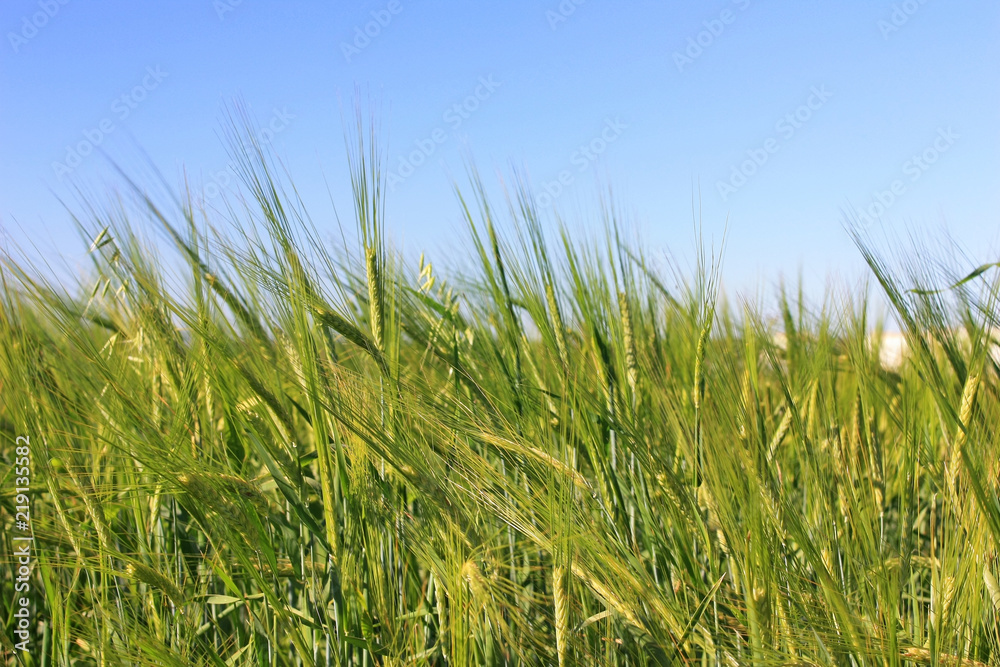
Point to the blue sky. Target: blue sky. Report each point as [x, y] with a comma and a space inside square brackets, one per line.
[772, 116]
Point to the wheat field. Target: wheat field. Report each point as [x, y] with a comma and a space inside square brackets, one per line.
[287, 453]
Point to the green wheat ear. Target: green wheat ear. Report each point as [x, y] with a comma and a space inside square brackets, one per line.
[698, 390]
[148, 575]
[557, 324]
[560, 597]
[375, 297]
[968, 401]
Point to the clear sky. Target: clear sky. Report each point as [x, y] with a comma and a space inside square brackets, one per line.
[774, 115]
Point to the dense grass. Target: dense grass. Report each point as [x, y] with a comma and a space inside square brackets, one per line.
[295, 456]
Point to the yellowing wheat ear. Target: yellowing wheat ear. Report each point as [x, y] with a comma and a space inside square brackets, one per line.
[473, 576]
[561, 604]
[631, 363]
[993, 589]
